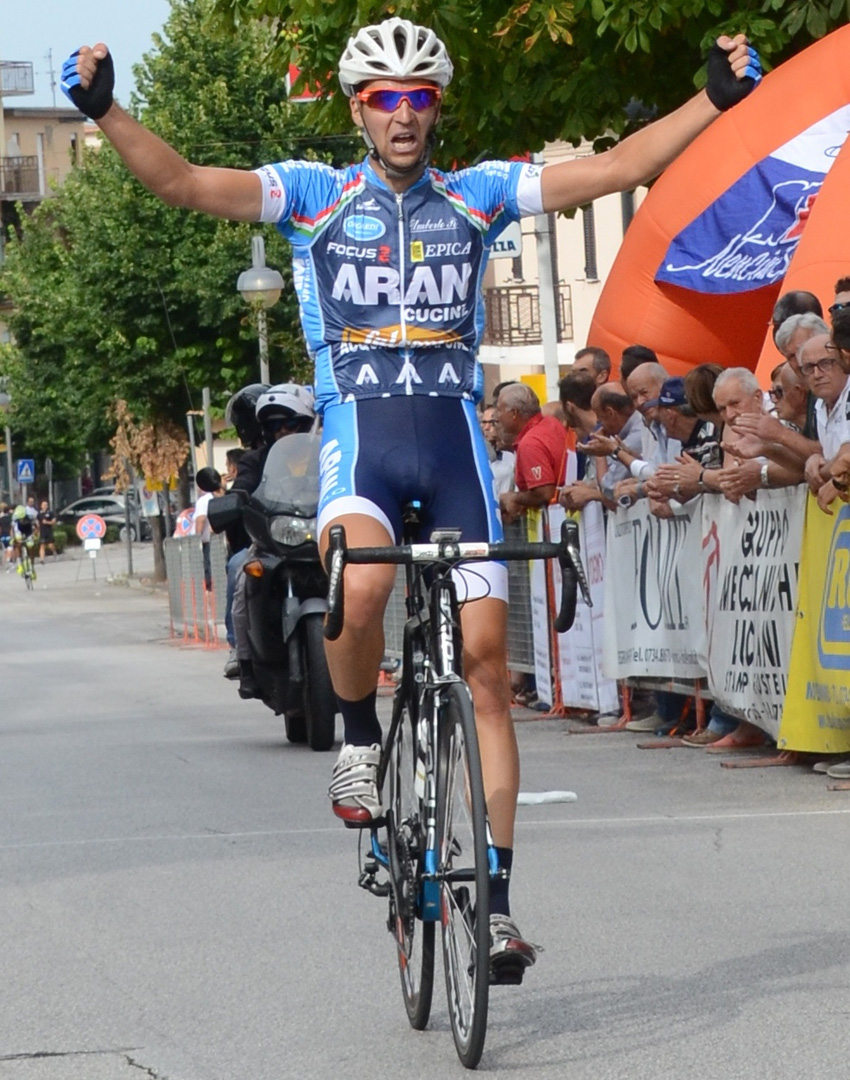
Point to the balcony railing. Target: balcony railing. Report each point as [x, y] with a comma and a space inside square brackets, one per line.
[19, 178]
[512, 315]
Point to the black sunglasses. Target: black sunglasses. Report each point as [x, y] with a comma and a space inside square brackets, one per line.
[837, 307]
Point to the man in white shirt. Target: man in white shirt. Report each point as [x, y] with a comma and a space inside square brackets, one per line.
[826, 379]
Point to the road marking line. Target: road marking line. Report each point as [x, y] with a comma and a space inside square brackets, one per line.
[335, 830]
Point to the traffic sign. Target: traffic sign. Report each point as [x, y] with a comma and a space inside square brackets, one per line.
[91, 527]
[185, 524]
[26, 471]
[508, 244]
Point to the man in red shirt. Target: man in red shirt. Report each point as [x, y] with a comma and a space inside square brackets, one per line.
[540, 445]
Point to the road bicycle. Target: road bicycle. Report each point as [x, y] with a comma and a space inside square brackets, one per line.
[432, 853]
[26, 567]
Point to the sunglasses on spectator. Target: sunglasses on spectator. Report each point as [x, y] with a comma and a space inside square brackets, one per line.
[824, 364]
[419, 98]
[837, 307]
[776, 393]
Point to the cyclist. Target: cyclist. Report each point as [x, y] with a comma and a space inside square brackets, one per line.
[388, 256]
[23, 528]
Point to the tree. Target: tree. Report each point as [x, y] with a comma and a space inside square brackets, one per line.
[117, 296]
[538, 70]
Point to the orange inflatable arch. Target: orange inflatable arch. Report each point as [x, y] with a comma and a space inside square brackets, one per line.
[722, 186]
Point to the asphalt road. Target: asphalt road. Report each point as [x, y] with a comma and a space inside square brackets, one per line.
[177, 903]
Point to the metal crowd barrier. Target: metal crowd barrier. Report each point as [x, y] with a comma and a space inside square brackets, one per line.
[196, 613]
[520, 642]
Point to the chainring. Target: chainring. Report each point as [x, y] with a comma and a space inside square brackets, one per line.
[404, 859]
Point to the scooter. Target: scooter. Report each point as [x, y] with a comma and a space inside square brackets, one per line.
[286, 589]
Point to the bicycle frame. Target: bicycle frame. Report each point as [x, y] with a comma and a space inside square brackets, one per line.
[425, 670]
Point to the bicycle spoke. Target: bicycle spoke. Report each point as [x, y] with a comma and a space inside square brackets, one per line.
[405, 839]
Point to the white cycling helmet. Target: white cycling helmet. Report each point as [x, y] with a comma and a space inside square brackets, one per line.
[285, 399]
[394, 49]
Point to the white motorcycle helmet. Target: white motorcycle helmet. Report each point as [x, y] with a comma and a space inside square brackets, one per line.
[286, 404]
[394, 49]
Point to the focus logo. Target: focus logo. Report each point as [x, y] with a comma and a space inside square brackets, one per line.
[834, 626]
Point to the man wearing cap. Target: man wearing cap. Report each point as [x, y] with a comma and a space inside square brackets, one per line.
[700, 445]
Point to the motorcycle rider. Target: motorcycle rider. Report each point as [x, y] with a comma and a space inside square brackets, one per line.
[281, 410]
[390, 254]
[241, 414]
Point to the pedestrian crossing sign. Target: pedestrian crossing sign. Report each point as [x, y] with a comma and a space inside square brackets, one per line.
[26, 471]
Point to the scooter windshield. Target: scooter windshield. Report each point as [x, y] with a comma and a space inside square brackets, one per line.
[290, 483]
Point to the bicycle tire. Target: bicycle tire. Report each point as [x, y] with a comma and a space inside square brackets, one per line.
[405, 840]
[26, 560]
[319, 696]
[464, 873]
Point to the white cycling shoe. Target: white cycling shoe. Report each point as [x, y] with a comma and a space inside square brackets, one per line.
[510, 953]
[354, 785]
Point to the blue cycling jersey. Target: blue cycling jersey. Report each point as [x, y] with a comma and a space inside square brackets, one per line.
[389, 284]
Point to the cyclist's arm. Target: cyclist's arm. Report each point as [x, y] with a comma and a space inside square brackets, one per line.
[227, 193]
[638, 158]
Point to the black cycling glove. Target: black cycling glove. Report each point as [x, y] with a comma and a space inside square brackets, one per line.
[724, 89]
[97, 100]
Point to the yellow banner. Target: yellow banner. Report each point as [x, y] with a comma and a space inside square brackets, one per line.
[816, 717]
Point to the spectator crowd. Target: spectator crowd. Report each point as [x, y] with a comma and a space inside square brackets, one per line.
[647, 435]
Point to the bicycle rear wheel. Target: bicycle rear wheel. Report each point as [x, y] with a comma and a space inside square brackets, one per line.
[464, 873]
[406, 842]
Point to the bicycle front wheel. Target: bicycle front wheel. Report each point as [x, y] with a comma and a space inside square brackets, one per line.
[406, 841]
[464, 873]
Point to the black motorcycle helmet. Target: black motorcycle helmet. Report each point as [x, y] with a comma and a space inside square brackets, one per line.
[241, 413]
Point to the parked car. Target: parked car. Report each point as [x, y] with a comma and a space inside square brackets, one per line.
[112, 509]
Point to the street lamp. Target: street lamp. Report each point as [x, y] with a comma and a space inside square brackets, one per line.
[5, 402]
[260, 287]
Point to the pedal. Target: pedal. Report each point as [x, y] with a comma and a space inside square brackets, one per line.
[506, 972]
[368, 879]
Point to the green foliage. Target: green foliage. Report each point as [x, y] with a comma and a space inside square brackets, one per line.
[60, 538]
[537, 70]
[117, 295]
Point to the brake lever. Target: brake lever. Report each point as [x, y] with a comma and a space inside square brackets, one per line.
[334, 565]
[572, 546]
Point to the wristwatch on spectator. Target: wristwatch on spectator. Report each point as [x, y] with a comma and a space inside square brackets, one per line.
[615, 453]
[765, 478]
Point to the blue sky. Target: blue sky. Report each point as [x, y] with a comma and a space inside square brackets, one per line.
[29, 30]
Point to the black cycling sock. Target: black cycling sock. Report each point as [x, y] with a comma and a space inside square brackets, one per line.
[360, 723]
[500, 903]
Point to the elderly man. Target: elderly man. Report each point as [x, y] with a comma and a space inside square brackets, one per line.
[791, 446]
[737, 395]
[620, 428]
[643, 386]
[502, 459]
[818, 359]
[540, 445]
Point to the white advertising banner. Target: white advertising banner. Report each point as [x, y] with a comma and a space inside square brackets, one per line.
[583, 684]
[654, 622]
[540, 616]
[750, 567]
